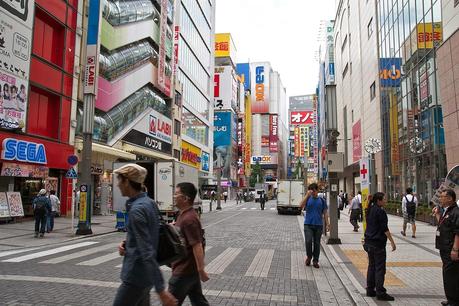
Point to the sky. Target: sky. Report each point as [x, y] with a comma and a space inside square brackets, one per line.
[283, 32]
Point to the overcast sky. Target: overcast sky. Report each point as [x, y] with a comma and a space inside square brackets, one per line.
[283, 32]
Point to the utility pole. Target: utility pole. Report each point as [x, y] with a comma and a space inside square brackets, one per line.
[219, 180]
[333, 188]
[90, 91]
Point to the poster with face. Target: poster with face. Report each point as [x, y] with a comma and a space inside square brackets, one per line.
[15, 203]
[4, 208]
[13, 99]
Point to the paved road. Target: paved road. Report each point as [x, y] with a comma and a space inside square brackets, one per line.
[254, 257]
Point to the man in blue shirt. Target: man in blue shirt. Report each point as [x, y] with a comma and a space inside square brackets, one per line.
[140, 271]
[316, 214]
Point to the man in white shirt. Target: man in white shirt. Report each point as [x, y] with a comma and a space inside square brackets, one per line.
[55, 202]
[409, 206]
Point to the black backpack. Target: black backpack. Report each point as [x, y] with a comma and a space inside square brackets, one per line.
[410, 206]
[171, 244]
[40, 206]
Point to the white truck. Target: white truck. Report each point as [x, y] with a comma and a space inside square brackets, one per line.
[289, 195]
[161, 180]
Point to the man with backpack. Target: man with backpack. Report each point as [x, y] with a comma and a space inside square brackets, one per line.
[409, 205]
[41, 208]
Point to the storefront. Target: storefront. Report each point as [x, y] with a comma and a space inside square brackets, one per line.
[29, 164]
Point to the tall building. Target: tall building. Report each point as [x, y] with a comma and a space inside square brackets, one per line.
[447, 63]
[39, 42]
[411, 107]
[357, 91]
[195, 73]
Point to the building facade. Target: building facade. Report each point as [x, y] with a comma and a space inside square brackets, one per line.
[413, 140]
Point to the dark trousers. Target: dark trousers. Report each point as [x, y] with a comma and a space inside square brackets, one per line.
[376, 269]
[129, 295]
[50, 221]
[40, 223]
[355, 216]
[312, 234]
[190, 285]
[450, 277]
[262, 204]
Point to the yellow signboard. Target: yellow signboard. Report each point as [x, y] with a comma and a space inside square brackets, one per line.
[83, 206]
[223, 45]
[191, 155]
[428, 34]
[393, 127]
[248, 134]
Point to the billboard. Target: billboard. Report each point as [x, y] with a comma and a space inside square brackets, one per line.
[390, 71]
[302, 117]
[15, 48]
[225, 88]
[273, 133]
[243, 70]
[393, 128]
[264, 160]
[223, 141]
[260, 87]
[224, 46]
[191, 155]
[164, 82]
[248, 135]
[428, 34]
[356, 141]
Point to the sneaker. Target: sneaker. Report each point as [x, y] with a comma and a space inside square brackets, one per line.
[385, 297]
[413, 236]
[308, 261]
[371, 293]
[36, 235]
[316, 265]
[403, 233]
[42, 235]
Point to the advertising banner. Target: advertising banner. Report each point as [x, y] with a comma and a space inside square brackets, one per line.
[222, 141]
[302, 117]
[92, 48]
[248, 134]
[154, 131]
[4, 208]
[260, 87]
[205, 160]
[273, 133]
[297, 141]
[191, 155]
[390, 71]
[393, 127]
[243, 70]
[176, 50]
[225, 88]
[224, 46]
[356, 141]
[15, 48]
[163, 83]
[429, 34]
[365, 186]
[15, 204]
[264, 160]
[24, 170]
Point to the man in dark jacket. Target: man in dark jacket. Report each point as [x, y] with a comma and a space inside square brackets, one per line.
[140, 271]
[41, 208]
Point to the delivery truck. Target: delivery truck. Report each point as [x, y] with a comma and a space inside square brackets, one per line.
[289, 195]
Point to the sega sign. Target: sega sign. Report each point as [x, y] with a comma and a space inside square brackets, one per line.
[24, 151]
[390, 72]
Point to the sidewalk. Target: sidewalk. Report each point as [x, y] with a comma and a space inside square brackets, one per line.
[414, 274]
[21, 234]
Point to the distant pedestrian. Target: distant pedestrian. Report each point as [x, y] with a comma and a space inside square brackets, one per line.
[359, 198]
[409, 206]
[355, 212]
[140, 271]
[315, 219]
[340, 205]
[55, 202]
[262, 200]
[345, 199]
[447, 241]
[188, 273]
[375, 241]
[41, 208]
[225, 195]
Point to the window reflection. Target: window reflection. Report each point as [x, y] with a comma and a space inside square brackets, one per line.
[194, 128]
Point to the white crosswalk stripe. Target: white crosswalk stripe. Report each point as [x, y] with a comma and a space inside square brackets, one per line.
[222, 261]
[99, 260]
[12, 252]
[261, 263]
[50, 252]
[81, 253]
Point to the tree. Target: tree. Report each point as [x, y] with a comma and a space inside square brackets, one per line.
[255, 176]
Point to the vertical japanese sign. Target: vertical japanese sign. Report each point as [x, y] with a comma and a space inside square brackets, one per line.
[16, 24]
[83, 203]
[296, 145]
[393, 128]
[92, 49]
[162, 82]
[356, 141]
[365, 186]
[248, 135]
[260, 87]
[273, 133]
[176, 49]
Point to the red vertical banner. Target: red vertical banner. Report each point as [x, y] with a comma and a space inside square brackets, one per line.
[273, 133]
[216, 85]
[356, 141]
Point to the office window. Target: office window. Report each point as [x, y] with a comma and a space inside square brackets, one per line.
[373, 91]
[177, 127]
[48, 38]
[370, 28]
[178, 99]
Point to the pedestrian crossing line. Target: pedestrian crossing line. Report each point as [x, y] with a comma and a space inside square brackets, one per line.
[81, 254]
[99, 260]
[272, 208]
[297, 266]
[13, 252]
[260, 264]
[244, 208]
[222, 261]
[50, 252]
[253, 208]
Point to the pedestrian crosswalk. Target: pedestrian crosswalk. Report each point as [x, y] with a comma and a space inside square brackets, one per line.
[220, 260]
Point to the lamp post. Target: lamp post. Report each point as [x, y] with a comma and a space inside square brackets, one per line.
[219, 180]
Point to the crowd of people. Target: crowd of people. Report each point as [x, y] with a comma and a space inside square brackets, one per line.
[45, 208]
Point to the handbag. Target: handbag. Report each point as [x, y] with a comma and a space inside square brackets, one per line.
[171, 244]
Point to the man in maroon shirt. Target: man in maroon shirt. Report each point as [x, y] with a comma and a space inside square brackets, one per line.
[188, 273]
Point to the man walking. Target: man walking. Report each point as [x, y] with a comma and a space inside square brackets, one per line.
[354, 212]
[409, 206]
[314, 220]
[41, 208]
[447, 241]
[140, 271]
[55, 202]
[188, 273]
[376, 236]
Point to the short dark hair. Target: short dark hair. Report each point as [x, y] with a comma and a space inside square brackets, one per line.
[379, 196]
[313, 186]
[450, 193]
[136, 186]
[52, 192]
[188, 189]
[360, 192]
[409, 190]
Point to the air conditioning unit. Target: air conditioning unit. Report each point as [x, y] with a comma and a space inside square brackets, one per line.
[335, 162]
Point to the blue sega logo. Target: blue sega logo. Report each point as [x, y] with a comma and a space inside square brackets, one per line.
[24, 151]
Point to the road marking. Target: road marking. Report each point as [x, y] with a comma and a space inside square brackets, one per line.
[253, 208]
[297, 266]
[244, 208]
[272, 208]
[222, 220]
[99, 260]
[12, 252]
[260, 264]
[222, 261]
[50, 252]
[80, 254]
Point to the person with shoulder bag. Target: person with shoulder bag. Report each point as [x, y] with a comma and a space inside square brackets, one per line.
[409, 206]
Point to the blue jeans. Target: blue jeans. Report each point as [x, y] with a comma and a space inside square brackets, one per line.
[182, 286]
[40, 223]
[312, 234]
[50, 221]
[129, 295]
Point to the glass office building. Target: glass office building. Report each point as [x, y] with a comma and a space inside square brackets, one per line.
[413, 143]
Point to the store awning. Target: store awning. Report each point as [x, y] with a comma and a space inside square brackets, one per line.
[146, 152]
[107, 150]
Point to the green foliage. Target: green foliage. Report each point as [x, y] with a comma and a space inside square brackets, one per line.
[255, 176]
[296, 173]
